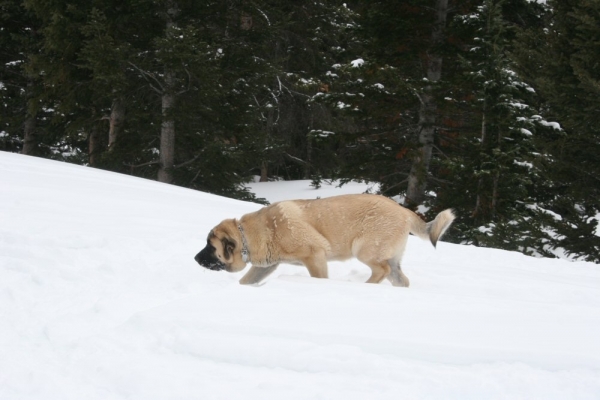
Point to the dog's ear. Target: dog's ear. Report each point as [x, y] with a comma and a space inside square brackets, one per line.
[228, 247]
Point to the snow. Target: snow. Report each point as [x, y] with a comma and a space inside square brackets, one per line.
[265, 16]
[526, 132]
[554, 125]
[100, 298]
[285, 190]
[542, 121]
[321, 133]
[523, 164]
[357, 63]
[518, 105]
[535, 207]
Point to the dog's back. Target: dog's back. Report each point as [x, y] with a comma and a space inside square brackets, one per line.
[350, 222]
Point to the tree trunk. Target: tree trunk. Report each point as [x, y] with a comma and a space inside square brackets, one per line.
[264, 164]
[117, 118]
[496, 182]
[417, 178]
[264, 172]
[29, 136]
[94, 145]
[309, 145]
[167, 129]
[479, 199]
[309, 148]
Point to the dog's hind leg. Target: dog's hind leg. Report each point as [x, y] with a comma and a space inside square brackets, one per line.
[379, 271]
[256, 274]
[369, 256]
[396, 277]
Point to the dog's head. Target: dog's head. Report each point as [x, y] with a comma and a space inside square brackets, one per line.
[223, 248]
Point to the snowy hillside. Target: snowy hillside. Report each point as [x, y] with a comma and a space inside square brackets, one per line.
[100, 298]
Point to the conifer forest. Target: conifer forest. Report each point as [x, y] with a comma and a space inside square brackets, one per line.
[490, 107]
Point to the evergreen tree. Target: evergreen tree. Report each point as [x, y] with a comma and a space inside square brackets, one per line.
[112, 33]
[291, 47]
[75, 111]
[498, 175]
[444, 103]
[410, 59]
[561, 62]
[21, 116]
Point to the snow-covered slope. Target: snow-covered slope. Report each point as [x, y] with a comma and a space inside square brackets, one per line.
[285, 190]
[100, 298]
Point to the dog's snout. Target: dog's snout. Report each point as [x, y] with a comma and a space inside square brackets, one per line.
[207, 259]
[202, 257]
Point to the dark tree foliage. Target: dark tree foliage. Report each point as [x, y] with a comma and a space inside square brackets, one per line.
[498, 171]
[486, 106]
[22, 119]
[561, 61]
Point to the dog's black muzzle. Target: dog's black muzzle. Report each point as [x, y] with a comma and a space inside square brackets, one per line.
[207, 259]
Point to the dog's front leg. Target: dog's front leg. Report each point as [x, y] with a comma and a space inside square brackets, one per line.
[256, 274]
[316, 264]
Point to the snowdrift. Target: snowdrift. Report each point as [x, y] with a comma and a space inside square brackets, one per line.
[100, 298]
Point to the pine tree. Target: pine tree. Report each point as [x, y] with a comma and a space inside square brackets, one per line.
[75, 111]
[410, 58]
[276, 57]
[21, 116]
[498, 176]
[561, 62]
[112, 33]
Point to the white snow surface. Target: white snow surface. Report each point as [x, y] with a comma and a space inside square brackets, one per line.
[100, 298]
[286, 190]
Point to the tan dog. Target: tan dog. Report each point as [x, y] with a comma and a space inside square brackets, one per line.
[372, 228]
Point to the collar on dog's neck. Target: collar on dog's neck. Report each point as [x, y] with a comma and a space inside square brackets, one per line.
[245, 251]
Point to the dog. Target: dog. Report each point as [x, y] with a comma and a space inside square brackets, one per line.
[372, 228]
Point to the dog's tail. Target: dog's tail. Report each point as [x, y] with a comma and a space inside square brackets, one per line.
[432, 230]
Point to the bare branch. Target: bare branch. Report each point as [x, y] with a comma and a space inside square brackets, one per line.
[188, 162]
[143, 164]
[195, 177]
[441, 152]
[189, 82]
[396, 185]
[264, 15]
[296, 159]
[147, 75]
[259, 106]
